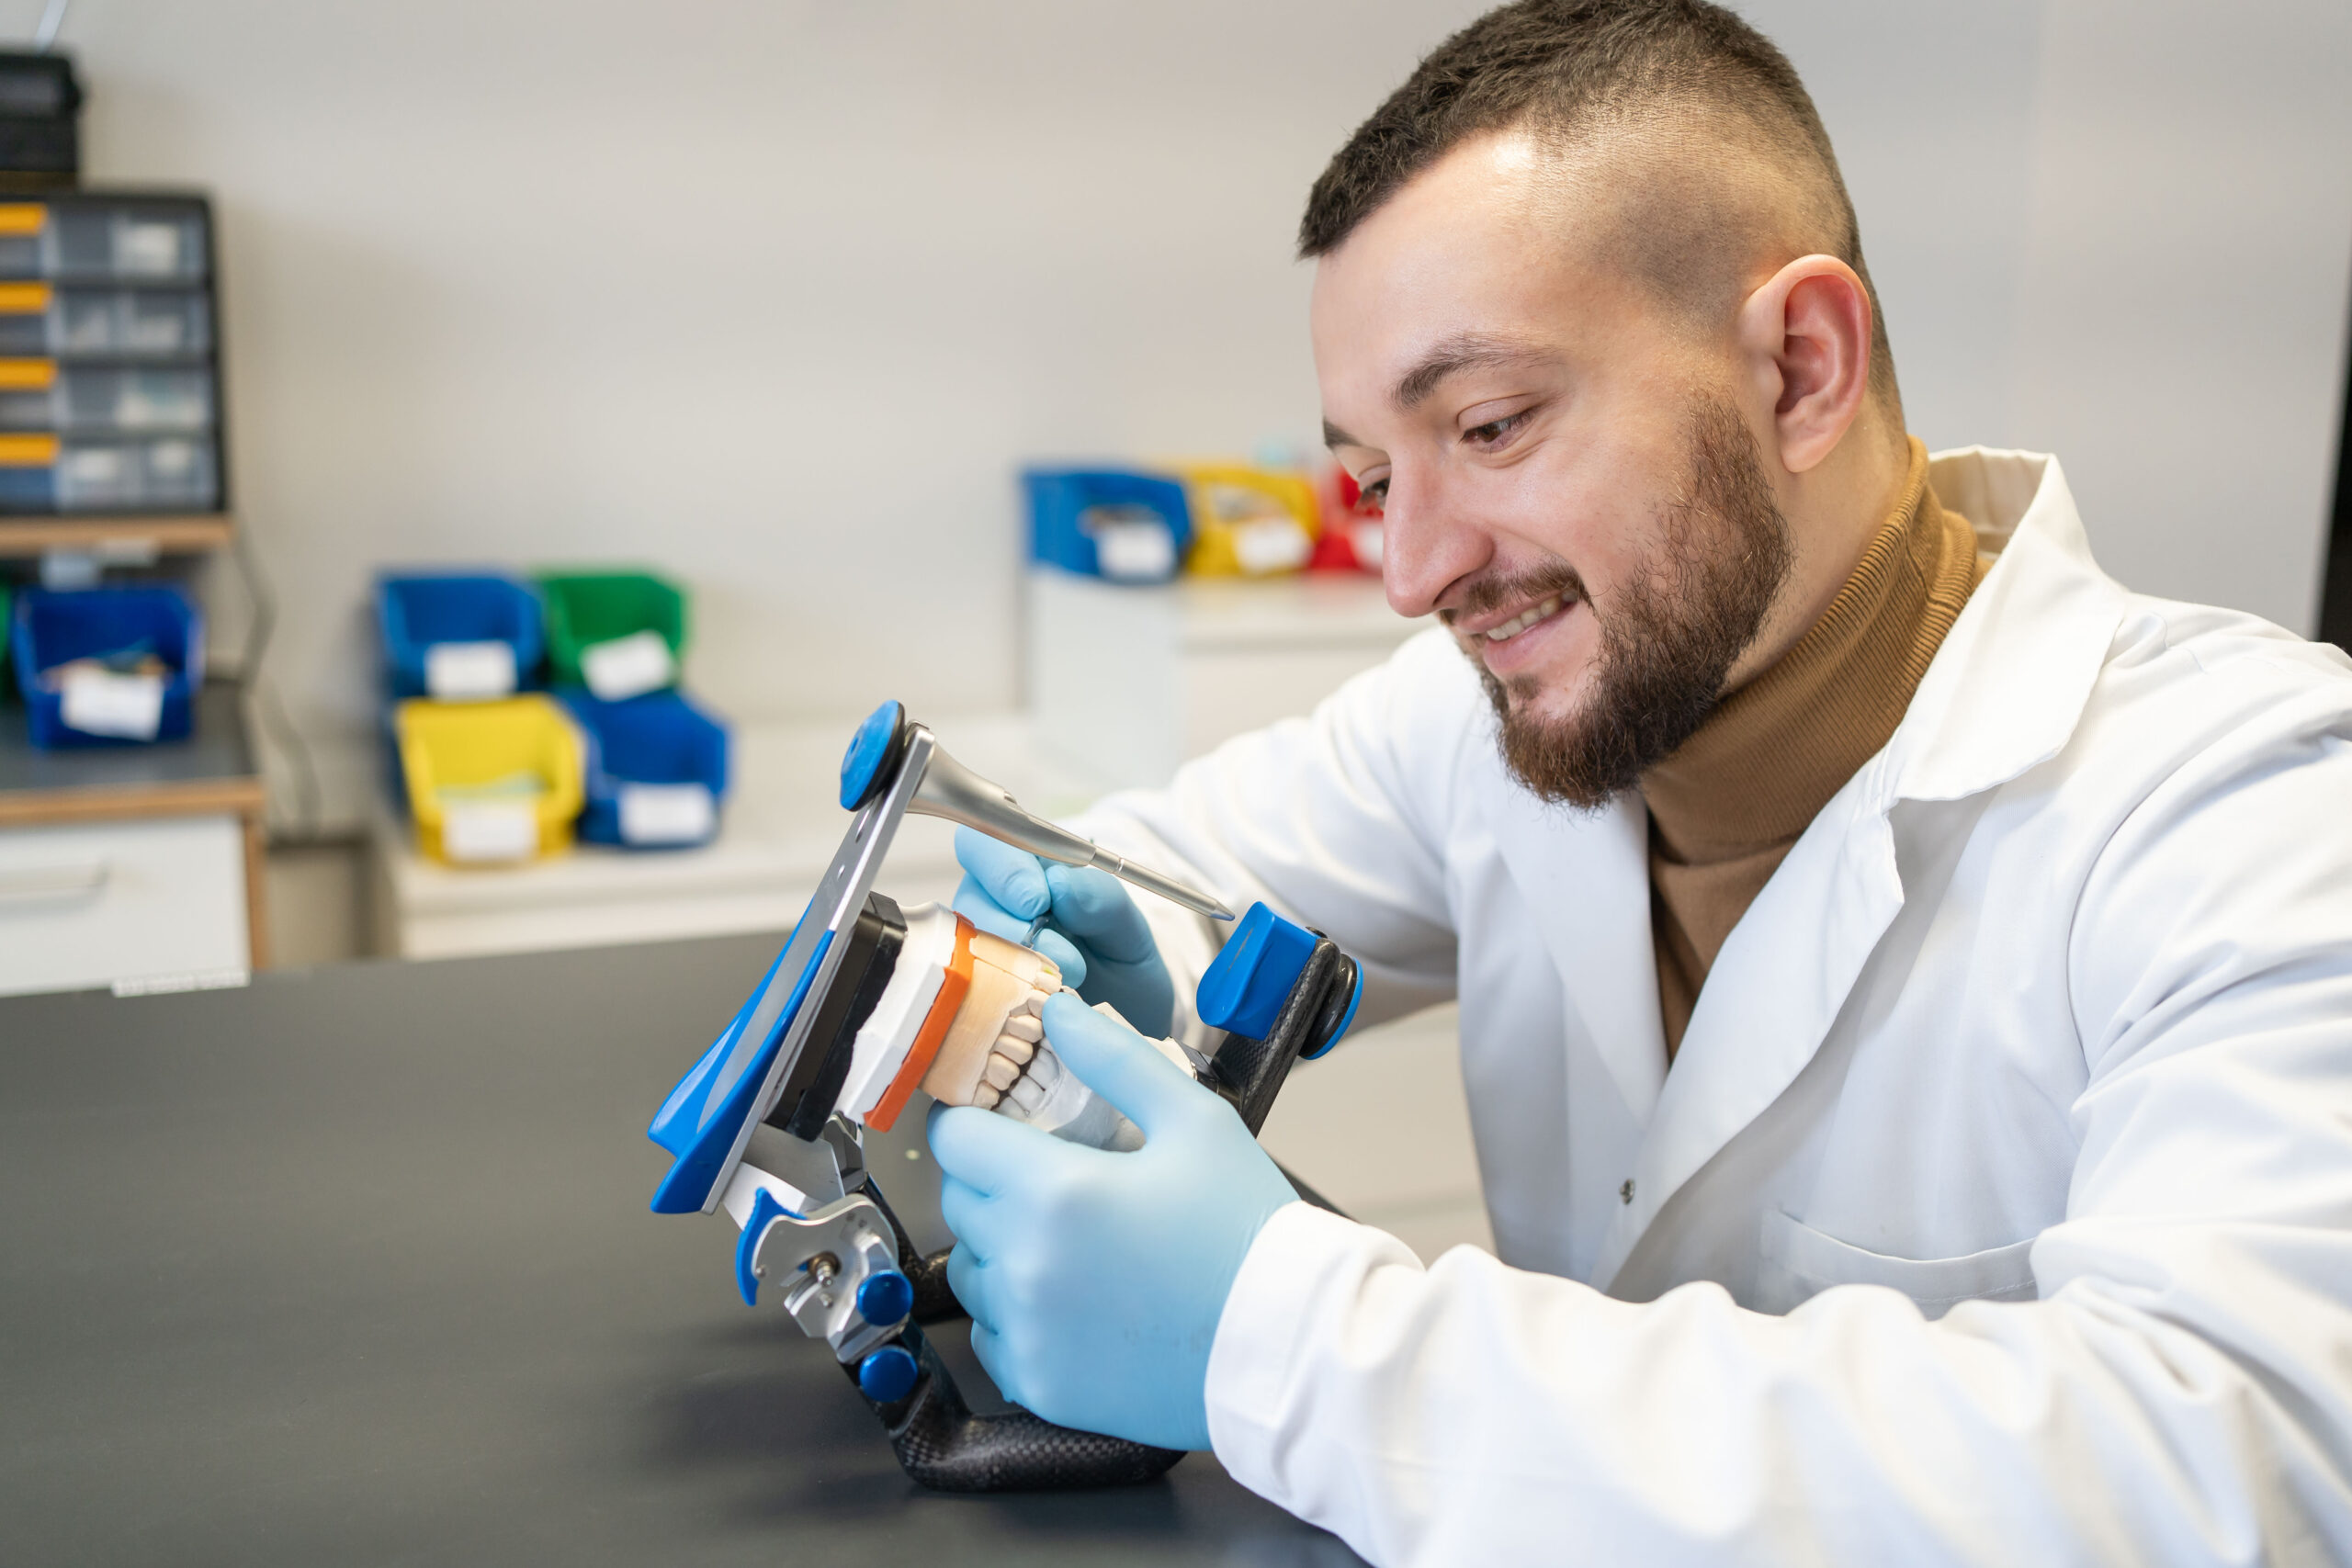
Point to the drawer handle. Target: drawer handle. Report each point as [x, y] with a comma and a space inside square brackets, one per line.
[55, 881]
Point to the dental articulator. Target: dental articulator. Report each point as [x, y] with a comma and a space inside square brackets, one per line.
[866, 1004]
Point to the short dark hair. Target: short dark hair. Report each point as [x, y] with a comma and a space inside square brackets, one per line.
[1567, 68]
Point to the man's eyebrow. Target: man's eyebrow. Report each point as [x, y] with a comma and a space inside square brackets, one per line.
[1468, 351]
[1333, 436]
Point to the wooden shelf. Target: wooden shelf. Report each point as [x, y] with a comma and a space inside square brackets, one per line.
[22, 536]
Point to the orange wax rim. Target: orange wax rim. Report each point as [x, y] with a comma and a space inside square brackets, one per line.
[955, 982]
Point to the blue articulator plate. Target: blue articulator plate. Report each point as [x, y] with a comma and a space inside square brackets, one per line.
[708, 1111]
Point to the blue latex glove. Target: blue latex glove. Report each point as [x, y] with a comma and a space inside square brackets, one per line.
[1098, 938]
[1095, 1280]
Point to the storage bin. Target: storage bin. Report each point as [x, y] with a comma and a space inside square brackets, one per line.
[41, 319]
[656, 770]
[41, 394]
[50, 627]
[443, 633]
[489, 782]
[1248, 522]
[1069, 509]
[593, 610]
[92, 237]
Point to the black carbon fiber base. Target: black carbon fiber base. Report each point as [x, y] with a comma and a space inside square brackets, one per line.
[942, 1445]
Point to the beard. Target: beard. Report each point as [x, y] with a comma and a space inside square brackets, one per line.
[1669, 638]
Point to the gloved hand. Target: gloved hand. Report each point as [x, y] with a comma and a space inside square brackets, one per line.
[1098, 938]
[1095, 1280]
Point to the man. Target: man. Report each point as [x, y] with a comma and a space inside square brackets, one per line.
[1905, 978]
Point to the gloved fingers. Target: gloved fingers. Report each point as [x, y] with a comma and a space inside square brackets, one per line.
[1118, 1064]
[992, 1154]
[1014, 879]
[968, 1278]
[973, 902]
[964, 1209]
[1094, 905]
[996, 1358]
[1057, 947]
[1143, 993]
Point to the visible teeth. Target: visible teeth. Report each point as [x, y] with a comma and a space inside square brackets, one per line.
[1524, 619]
[986, 1096]
[1026, 1092]
[1025, 1026]
[1013, 1048]
[1000, 1071]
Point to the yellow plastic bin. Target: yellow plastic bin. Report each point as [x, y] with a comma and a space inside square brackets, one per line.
[490, 784]
[1247, 522]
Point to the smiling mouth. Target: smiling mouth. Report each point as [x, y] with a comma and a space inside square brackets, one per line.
[1525, 618]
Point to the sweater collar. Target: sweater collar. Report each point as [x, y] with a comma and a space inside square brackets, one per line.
[1776, 751]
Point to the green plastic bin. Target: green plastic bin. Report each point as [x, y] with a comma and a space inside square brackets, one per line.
[585, 608]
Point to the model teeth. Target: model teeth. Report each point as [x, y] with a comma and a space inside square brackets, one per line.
[1524, 619]
[1015, 1046]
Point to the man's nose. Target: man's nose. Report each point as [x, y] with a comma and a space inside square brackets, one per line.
[1426, 546]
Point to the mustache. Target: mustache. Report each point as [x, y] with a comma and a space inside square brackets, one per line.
[1530, 586]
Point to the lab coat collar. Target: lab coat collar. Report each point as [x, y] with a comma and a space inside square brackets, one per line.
[2009, 686]
[2003, 692]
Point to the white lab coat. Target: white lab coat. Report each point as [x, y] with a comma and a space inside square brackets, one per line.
[1998, 1206]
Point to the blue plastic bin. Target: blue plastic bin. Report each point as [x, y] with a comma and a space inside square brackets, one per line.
[417, 610]
[1059, 497]
[48, 627]
[660, 738]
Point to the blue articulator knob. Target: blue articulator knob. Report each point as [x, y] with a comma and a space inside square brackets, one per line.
[1244, 990]
[885, 1298]
[874, 752]
[887, 1375]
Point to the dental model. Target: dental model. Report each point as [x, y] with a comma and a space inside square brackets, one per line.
[959, 1019]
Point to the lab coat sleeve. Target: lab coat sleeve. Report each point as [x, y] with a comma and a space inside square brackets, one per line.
[2181, 1392]
[1336, 820]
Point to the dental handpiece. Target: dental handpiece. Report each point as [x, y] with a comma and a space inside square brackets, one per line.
[953, 791]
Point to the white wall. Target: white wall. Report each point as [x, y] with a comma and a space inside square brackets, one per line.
[775, 293]
[2119, 231]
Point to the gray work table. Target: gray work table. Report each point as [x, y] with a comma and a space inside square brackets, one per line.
[355, 1265]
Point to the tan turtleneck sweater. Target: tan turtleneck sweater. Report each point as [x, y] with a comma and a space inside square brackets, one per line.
[1731, 800]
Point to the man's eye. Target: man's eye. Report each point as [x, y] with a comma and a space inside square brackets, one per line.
[1495, 430]
[1376, 492]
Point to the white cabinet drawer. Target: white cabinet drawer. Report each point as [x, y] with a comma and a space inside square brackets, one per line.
[91, 904]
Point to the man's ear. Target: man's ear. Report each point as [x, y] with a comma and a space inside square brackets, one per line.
[1807, 337]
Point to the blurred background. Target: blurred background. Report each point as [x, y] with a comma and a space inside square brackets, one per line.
[775, 301]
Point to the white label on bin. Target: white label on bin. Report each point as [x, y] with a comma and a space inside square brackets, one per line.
[1272, 545]
[457, 670]
[667, 814]
[628, 666]
[125, 708]
[1136, 552]
[477, 830]
[148, 247]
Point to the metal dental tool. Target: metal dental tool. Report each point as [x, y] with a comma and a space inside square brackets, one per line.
[953, 791]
